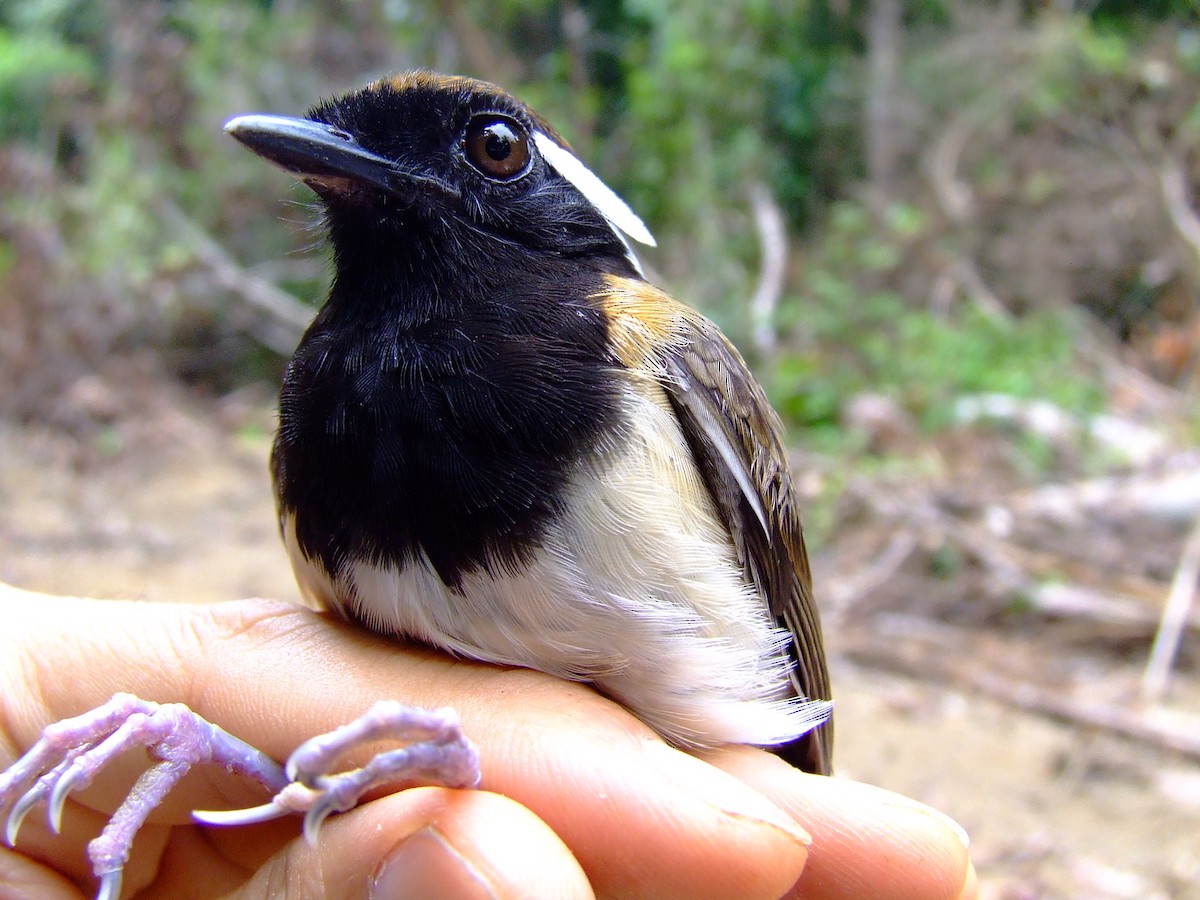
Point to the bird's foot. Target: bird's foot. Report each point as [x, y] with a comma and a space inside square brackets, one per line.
[71, 753]
[436, 752]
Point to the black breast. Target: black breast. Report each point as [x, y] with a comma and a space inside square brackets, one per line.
[450, 433]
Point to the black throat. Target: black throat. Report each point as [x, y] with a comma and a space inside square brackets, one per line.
[436, 405]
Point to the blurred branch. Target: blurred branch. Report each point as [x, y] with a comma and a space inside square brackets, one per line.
[1095, 345]
[475, 43]
[1176, 614]
[307, 268]
[1175, 731]
[1050, 422]
[1054, 582]
[1170, 497]
[956, 200]
[842, 595]
[281, 318]
[1175, 196]
[884, 34]
[963, 273]
[576, 31]
[772, 238]
[1076, 601]
[953, 195]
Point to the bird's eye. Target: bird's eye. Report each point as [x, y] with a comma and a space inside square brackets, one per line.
[497, 146]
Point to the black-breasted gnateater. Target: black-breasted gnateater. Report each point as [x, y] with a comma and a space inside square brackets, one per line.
[498, 438]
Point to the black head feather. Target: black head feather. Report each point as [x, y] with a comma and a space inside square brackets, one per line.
[460, 367]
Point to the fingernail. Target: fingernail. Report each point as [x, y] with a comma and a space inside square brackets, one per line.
[970, 889]
[939, 816]
[426, 865]
[720, 789]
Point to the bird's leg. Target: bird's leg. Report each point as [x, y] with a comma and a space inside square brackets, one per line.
[71, 753]
[436, 752]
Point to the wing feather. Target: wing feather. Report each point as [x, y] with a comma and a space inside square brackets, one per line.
[736, 440]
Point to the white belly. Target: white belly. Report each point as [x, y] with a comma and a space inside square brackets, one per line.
[635, 588]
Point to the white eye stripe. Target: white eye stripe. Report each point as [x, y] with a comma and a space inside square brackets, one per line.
[599, 194]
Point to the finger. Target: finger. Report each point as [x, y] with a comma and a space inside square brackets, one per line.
[632, 811]
[866, 841]
[65, 851]
[21, 878]
[424, 842]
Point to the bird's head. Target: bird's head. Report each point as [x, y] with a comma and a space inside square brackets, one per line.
[421, 164]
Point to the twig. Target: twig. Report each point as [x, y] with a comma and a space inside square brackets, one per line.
[953, 195]
[1051, 422]
[1077, 601]
[842, 595]
[1171, 497]
[1175, 191]
[977, 289]
[1174, 731]
[1175, 616]
[773, 239]
[287, 317]
[962, 273]
[885, 36]
[1163, 728]
[1095, 345]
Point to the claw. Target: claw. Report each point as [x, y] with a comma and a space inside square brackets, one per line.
[437, 752]
[313, 819]
[19, 811]
[71, 753]
[110, 886]
[58, 797]
[251, 816]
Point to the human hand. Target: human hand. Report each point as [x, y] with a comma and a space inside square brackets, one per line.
[578, 797]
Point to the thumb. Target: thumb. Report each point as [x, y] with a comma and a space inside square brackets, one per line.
[22, 878]
[426, 842]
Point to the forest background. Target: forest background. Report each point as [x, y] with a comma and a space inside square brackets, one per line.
[958, 242]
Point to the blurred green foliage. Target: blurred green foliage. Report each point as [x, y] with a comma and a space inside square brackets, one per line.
[33, 69]
[922, 359]
[114, 170]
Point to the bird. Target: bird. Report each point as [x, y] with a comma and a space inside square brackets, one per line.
[497, 437]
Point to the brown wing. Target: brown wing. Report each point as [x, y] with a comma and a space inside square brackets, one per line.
[736, 439]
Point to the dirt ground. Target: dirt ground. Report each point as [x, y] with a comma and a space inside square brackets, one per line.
[1054, 810]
